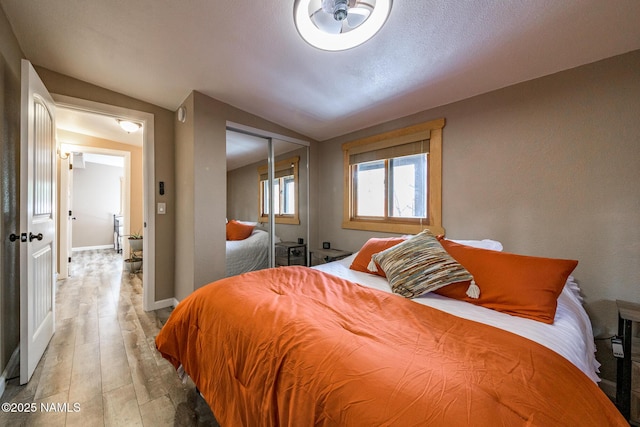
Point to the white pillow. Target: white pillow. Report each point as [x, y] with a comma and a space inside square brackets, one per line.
[493, 245]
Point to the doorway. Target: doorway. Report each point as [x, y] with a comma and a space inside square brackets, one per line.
[92, 193]
[147, 220]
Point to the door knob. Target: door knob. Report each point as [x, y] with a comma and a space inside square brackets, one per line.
[14, 237]
[32, 236]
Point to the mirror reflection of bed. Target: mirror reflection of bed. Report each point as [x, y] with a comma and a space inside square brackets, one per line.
[248, 200]
[250, 253]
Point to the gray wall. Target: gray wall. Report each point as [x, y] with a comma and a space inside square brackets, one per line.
[185, 228]
[200, 166]
[242, 193]
[96, 198]
[201, 177]
[550, 167]
[10, 56]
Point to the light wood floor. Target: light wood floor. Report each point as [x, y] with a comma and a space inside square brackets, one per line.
[103, 358]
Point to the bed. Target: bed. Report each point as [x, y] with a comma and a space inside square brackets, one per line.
[248, 254]
[334, 346]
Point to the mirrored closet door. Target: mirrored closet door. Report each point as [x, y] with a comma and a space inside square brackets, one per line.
[267, 200]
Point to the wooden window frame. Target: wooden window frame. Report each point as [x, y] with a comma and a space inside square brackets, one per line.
[279, 166]
[431, 131]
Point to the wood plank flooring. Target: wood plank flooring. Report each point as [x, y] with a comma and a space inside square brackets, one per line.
[102, 358]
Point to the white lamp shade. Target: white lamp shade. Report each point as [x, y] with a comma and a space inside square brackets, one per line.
[328, 36]
[129, 126]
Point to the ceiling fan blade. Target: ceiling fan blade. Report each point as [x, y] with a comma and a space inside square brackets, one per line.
[326, 23]
[357, 15]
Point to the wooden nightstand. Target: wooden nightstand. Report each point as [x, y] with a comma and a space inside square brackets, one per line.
[323, 256]
[628, 376]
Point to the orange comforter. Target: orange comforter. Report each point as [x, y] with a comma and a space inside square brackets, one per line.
[294, 346]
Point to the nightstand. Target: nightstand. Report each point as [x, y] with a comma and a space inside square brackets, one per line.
[291, 253]
[322, 256]
[628, 376]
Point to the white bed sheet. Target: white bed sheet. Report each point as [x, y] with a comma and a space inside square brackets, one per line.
[249, 254]
[571, 334]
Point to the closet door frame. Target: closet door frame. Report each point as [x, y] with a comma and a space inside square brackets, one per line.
[269, 137]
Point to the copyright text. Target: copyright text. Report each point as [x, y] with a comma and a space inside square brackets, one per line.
[40, 407]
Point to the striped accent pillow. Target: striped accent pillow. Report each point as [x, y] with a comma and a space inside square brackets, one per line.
[420, 265]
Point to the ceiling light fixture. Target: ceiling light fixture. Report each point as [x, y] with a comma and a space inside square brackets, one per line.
[128, 125]
[339, 24]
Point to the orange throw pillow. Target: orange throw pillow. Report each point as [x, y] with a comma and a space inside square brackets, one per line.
[519, 285]
[238, 231]
[373, 246]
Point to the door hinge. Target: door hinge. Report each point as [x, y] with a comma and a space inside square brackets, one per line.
[70, 166]
[70, 213]
[69, 259]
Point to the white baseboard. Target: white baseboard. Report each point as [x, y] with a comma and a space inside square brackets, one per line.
[169, 302]
[90, 248]
[13, 363]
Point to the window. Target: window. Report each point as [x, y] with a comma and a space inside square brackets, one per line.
[391, 188]
[393, 181]
[285, 187]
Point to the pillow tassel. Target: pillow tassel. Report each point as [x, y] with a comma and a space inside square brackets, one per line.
[372, 267]
[182, 374]
[474, 290]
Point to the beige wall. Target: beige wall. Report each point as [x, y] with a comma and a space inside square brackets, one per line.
[550, 167]
[10, 56]
[163, 160]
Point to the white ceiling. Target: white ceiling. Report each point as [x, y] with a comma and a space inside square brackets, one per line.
[244, 149]
[103, 159]
[249, 54]
[97, 125]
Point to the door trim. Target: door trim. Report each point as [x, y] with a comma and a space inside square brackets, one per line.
[148, 182]
[63, 218]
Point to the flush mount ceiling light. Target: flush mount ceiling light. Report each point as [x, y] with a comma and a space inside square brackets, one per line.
[339, 24]
[128, 125]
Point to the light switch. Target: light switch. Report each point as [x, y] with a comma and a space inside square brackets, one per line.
[162, 208]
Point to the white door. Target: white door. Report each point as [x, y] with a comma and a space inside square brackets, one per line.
[37, 219]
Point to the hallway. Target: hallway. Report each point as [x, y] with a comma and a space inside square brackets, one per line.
[102, 360]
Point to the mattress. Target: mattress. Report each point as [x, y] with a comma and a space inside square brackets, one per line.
[570, 335]
[249, 254]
